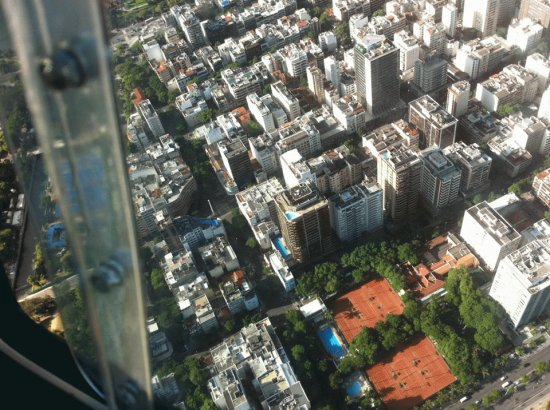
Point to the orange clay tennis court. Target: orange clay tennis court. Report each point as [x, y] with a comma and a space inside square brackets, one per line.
[365, 306]
[410, 376]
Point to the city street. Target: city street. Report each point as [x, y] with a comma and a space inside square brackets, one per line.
[524, 365]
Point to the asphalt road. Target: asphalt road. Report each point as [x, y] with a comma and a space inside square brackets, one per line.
[524, 365]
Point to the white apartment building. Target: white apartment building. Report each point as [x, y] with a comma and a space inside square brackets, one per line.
[449, 15]
[434, 37]
[488, 234]
[541, 186]
[350, 113]
[327, 41]
[261, 112]
[476, 57]
[256, 348]
[458, 95]
[524, 33]
[409, 49]
[332, 71]
[539, 65]
[286, 100]
[264, 151]
[522, 282]
[295, 169]
[513, 85]
[151, 118]
[294, 60]
[356, 23]
[530, 133]
[544, 106]
[357, 210]
[191, 105]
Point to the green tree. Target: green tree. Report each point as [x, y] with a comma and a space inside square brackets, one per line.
[251, 243]
[229, 325]
[492, 398]
[379, 12]
[205, 115]
[298, 352]
[157, 279]
[542, 367]
[406, 252]
[520, 187]
[507, 109]
[365, 347]
[341, 31]
[3, 143]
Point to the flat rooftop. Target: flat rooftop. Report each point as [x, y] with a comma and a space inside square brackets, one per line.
[494, 223]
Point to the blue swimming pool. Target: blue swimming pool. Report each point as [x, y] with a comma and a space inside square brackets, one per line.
[354, 389]
[331, 342]
[292, 215]
[281, 247]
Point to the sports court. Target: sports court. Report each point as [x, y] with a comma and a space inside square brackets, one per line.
[410, 376]
[365, 306]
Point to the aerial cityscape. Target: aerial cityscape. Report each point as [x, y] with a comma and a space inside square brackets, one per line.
[338, 204]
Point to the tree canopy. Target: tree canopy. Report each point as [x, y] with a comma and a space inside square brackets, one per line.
[325, 278]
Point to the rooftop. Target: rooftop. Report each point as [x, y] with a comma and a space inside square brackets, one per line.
[430, 109]
[532, 261]
[498, 227]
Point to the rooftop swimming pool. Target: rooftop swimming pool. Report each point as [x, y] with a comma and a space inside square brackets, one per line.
[281, 247]
[291, 215]
[331, 342]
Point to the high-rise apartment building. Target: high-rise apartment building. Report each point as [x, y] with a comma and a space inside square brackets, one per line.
[449, 15]
[536, 10]
[436, 126]
[481, 15]
[440, 179]
[357, 210]
[304, 220]
[399, 173]
[409, 49]
[458, 95]
[191, 27]
[541, 186]
[332, 71]
[315, 82]
[434, 37]
[544, 107]
[235, 159]
[286, 100]
[377, 74]
[151, 118]
[488, 234]
[506, 11]
[430, 73]
[474, 165]
[522, 282]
